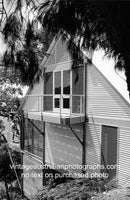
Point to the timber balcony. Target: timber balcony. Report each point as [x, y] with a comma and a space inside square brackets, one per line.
[59, 109]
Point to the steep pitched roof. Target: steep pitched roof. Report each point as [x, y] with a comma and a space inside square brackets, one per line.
[97, 64]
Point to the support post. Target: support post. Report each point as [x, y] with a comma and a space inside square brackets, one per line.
[21, 130]
[44, 182]
[22, 122]
[85, 116]
[84, 146]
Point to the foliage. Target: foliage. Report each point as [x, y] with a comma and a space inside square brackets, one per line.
[9, 188]
[9, 76]
[14, 194]
[9, 100]
[88, 24]
[7, 174]
[91, 25]
[74, 189]
[87, 189]
[2, 127]
[10, 91]
[26, 42]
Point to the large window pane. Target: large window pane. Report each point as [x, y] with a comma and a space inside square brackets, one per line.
[48, 103]
[77, 81]
[66, 82]
[76, 104]
[48, 83]
[33, 139]
[57, 82]
[28, 136]
[48, 100]
[38, 143]
[66, 103]
[57, 103]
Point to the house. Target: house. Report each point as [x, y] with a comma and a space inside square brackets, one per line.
[73, 124]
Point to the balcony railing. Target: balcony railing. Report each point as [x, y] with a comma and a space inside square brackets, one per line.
[45, 103]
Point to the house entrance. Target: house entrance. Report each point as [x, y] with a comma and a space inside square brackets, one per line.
[109, 150]
[61, 97]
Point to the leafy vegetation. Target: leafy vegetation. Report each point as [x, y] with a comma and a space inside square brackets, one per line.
[85, 189]
[9, 187]
[7, 174]
[9, 97]
[91, 25]
[88, 24]
[26, 41]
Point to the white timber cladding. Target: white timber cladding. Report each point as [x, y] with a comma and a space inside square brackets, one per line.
[124, 157]
[63, 148]
[105, 106]
[103, 99]
[93, 149]
[34, 102]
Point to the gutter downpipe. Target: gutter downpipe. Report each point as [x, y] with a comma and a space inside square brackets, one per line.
[85, 115]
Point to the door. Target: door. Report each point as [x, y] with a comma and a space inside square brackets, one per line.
[61, 97]
[109, 150]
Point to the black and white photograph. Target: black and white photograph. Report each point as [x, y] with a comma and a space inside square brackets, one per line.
[64, 99]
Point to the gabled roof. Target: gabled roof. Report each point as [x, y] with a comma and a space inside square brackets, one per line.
[49, 52]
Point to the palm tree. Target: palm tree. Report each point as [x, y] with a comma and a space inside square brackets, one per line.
[92, 25]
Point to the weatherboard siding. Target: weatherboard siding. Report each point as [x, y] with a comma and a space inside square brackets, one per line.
[63, 148]
[124, 157]
[93, 146]
[34, 103]
[103, 99]
[105, 106]
[93, 143]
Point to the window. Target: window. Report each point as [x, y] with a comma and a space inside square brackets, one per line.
[77, 81]
[65, 87]
[57, 82]
[77, 90]
[33, 139]
[61, 96]
[48, 91]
